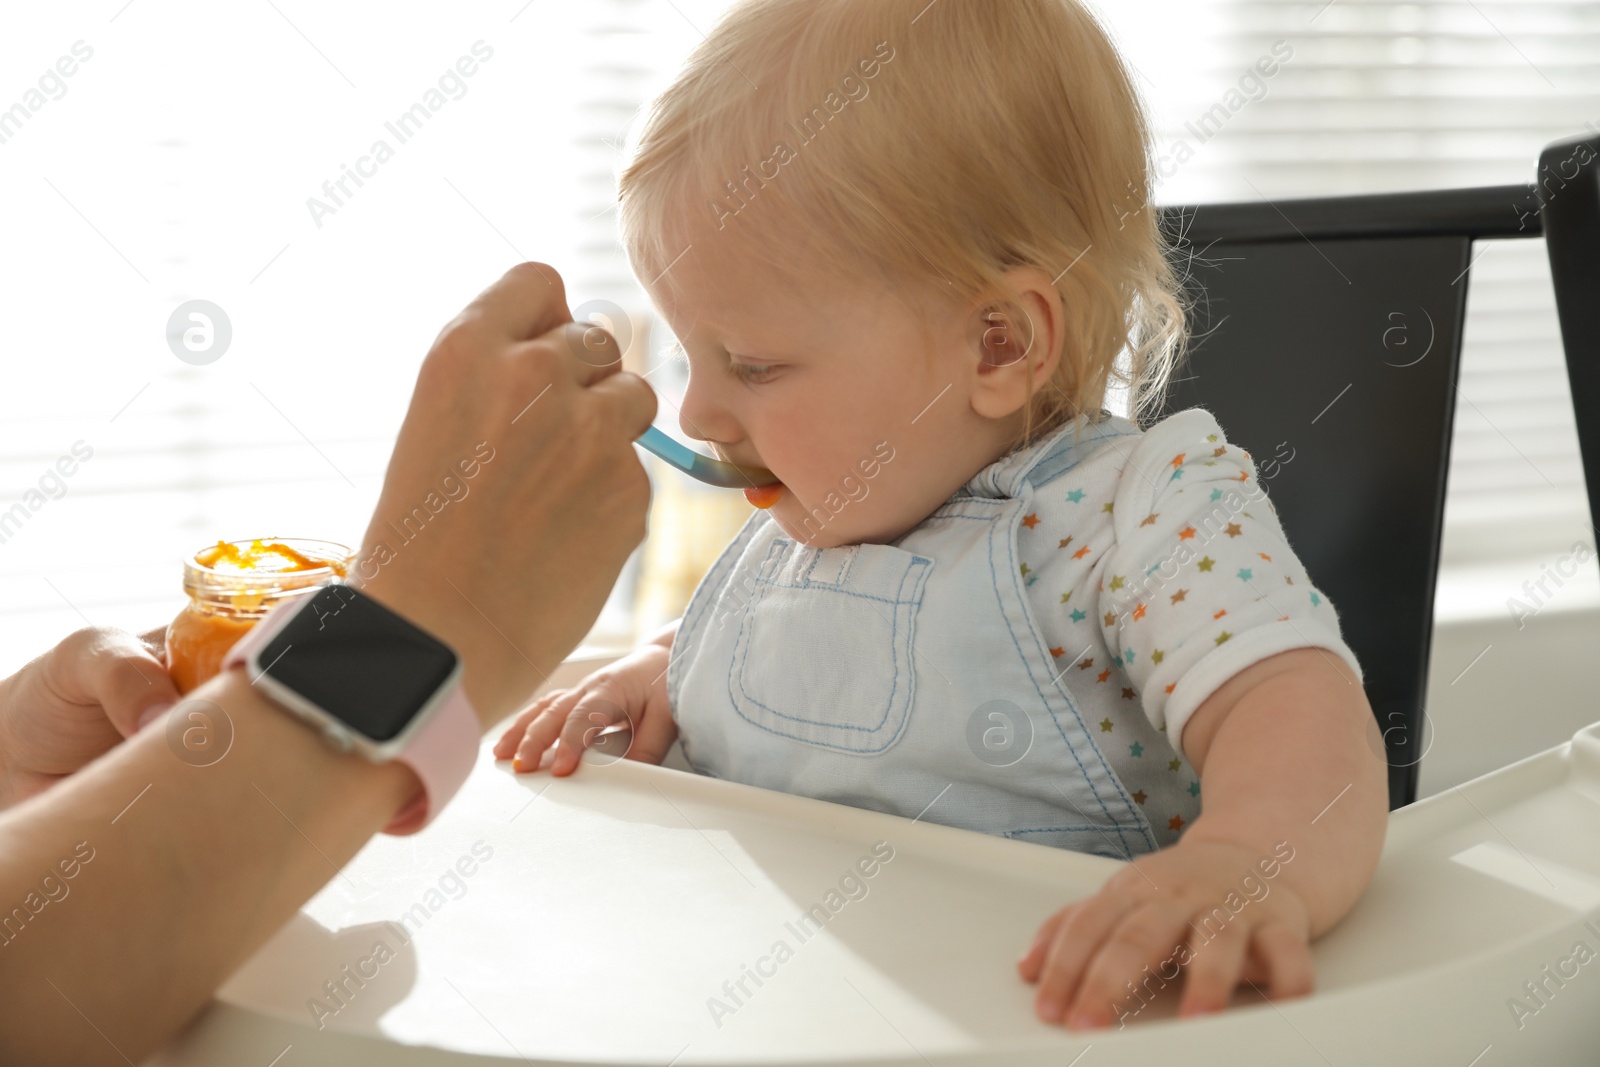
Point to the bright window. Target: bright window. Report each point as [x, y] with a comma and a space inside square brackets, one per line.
[200, 151]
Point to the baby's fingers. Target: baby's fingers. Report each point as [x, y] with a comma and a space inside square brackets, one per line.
[1077, 939]
[592, 716]
[543, 731]
[655, 733]
[1146, 936]
[1285, 954]
[1214, 969]
[1032, 961]
[512, 736]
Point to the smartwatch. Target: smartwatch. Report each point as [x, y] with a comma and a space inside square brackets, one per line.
[373, 683]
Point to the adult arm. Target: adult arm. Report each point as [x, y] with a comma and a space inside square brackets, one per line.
[189, 868]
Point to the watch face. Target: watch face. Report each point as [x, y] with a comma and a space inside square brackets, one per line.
[358, 661]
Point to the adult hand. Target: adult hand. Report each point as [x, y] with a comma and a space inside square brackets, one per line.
[514, 495]
[520, 496]
[74, 703]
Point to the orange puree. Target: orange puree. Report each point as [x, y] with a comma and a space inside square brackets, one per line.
[196, 642]
[260, 556]
[764, 496]
[231, 585]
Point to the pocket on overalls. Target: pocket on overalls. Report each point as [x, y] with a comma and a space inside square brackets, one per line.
[824, 650]
[1116, 843]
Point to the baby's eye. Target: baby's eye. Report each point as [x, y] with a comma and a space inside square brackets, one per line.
[754, 373]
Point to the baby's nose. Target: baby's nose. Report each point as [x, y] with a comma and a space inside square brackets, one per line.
[702, 419]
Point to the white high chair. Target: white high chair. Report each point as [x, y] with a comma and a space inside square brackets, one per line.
[641, 915]
[618, 907]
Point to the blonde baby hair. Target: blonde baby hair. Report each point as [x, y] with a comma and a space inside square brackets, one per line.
[924, 144]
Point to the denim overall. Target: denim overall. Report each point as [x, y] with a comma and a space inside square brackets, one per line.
[908, 678]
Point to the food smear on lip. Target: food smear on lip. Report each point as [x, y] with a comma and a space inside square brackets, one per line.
[764, 496]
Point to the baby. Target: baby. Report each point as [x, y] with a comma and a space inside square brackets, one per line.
[907, 249]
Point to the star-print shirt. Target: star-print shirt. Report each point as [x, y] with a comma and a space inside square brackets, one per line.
[1158, 570]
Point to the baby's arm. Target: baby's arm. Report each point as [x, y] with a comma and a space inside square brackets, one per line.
[1235, 652]
[632, 690]
[1293, 754]
[1296, 804]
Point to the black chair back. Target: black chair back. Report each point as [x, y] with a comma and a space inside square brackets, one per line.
[1327, 342]
[1566, 198]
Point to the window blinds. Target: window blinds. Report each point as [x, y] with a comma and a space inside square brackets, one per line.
[173, 169]
[1380, 96]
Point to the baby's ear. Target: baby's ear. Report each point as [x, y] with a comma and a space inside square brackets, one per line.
[1015, 343]
[1002, 334]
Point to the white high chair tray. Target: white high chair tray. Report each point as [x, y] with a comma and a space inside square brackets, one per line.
[611, 916]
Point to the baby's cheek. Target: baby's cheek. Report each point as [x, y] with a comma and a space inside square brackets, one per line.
[793, 519]
[814, 526]
[860, 501]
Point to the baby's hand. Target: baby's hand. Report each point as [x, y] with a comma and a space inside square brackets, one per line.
[1203, 906]
[632, 692]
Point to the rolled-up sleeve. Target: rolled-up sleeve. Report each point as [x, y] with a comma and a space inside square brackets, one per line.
[1200, 582]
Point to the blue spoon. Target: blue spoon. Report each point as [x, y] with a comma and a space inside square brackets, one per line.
[708, 470]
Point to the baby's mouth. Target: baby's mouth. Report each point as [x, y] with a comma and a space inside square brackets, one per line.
[764, 496]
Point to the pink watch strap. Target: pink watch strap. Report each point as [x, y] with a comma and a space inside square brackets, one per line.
[442, 752]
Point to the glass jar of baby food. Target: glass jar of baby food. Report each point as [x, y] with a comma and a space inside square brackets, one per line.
[231, 586]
